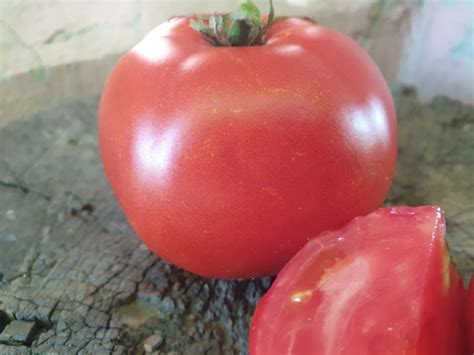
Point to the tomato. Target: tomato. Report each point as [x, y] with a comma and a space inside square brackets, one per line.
[383, 285]
[470, 315]
[226, 160]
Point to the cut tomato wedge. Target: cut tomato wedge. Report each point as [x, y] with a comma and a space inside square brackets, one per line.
[384, 284]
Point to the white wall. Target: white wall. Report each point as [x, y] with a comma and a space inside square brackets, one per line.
[439, 53]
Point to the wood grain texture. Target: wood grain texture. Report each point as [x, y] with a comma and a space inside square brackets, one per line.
[70, 263]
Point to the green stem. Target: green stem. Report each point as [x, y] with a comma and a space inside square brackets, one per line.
[271, 17]
[242, 27]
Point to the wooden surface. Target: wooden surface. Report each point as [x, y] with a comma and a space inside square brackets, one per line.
[74, 272]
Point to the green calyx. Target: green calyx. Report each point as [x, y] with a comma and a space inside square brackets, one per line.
[243, 27]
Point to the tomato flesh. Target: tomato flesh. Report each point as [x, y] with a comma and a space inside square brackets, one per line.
[383, 284]
[226, 160]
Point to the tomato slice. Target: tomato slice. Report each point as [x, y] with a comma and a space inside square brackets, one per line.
[383, 284]
[470, 315]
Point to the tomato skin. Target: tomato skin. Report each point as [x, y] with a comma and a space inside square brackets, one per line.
[470, 315]
[227, 160]
[383, 284]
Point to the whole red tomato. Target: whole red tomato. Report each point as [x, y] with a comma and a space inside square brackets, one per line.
[226, 160]
[382, 285]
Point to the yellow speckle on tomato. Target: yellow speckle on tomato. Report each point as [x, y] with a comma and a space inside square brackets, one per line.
[278, 90]
[272, 192]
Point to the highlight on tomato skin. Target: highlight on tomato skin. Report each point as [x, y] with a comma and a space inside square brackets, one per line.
[383, 284]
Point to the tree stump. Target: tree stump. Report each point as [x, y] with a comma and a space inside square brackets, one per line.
[74, 279]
